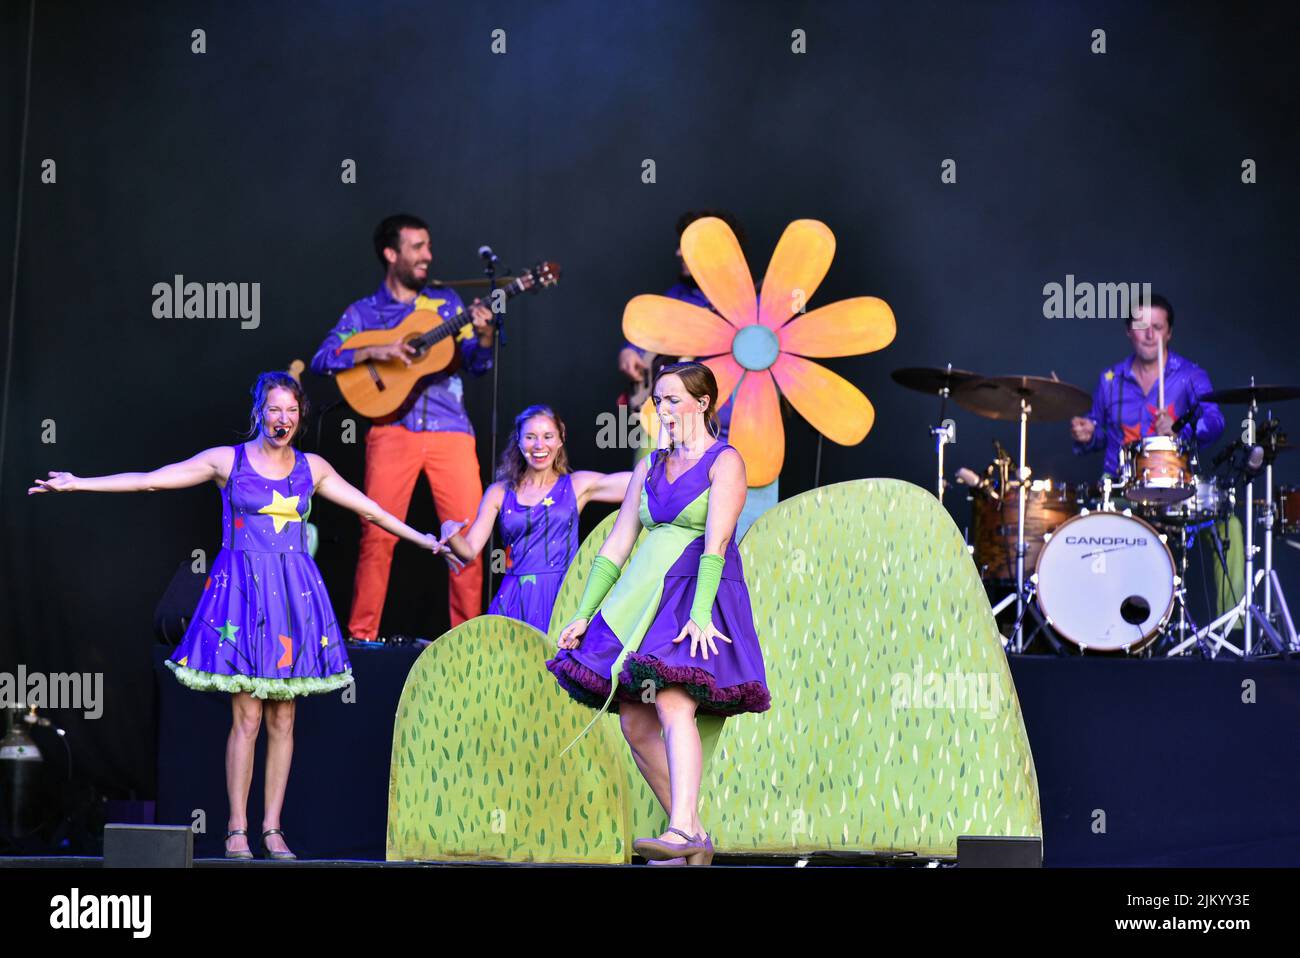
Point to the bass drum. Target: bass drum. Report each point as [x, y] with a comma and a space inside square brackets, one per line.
[1106, 582]
[995, 521]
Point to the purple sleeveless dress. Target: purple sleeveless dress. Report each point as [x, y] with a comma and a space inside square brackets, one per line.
[264, 624]
[652, 601]
[542, 540]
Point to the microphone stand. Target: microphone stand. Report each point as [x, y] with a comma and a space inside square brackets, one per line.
[498, 338]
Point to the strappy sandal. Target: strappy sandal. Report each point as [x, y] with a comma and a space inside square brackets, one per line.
[276, 856]
[697, 849]
[243, 854]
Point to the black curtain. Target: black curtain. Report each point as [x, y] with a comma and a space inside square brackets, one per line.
[224, 166]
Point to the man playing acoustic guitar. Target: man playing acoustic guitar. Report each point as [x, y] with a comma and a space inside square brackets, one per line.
[433, 434]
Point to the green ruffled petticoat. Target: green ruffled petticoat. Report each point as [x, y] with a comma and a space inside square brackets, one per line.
[258, 687]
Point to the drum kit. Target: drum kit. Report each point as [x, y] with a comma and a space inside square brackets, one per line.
[1101, 567]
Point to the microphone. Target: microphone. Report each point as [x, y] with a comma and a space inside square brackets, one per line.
[1254, 459]
[486, 252]
[280, 432]
[1185, 418]
[1226, 453]
[1242, 458]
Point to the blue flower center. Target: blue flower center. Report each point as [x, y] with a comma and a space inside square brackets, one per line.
[755, 347]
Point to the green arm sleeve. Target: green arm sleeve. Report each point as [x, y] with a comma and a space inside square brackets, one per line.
[706, 589]
[602, 578]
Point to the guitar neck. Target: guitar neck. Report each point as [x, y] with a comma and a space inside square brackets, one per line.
[450, 327]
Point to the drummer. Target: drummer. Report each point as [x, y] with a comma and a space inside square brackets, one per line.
[1124, 405]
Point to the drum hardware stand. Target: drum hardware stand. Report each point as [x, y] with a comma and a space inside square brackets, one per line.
[1218, 630]
[1251, 612]
[1107, 488]
[1246, 610]
[1250, 536]
[1017, 635]
[943, 434]
[1269, 441]
[1185, 619]
[1043, 627]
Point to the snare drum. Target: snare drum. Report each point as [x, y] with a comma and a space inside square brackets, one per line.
[1206, 503]
[994, 521]
[1155, 471]
[1106, 582]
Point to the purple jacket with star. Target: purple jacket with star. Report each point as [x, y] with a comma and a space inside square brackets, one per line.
[1124, 413]
[440, 408]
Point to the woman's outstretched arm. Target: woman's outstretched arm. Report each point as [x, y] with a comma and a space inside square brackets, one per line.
[468, 544]
[333, 487]
[210, 464]
[600, 486]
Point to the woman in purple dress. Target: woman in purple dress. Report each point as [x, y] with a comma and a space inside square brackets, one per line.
[264, 629]
[537, 499]
[685, 581]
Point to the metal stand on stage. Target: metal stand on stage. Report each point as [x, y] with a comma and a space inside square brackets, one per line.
[1022, 398]
[1262, 444]
[1019, 398]
[940, 382]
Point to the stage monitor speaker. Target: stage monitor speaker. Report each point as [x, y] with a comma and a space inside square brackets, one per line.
[172, 616]
[989, 851]
[148, 846]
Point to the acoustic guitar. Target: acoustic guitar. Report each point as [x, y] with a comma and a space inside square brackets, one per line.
[385, 390]
[638, 391]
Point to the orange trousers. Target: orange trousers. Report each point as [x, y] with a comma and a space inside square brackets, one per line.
[395, 457]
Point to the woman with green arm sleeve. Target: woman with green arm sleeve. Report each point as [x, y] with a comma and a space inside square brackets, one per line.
[671, 635]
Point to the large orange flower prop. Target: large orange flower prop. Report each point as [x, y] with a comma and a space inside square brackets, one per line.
[760, 341]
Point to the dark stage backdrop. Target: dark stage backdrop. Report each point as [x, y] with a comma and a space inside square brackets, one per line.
[225, 166]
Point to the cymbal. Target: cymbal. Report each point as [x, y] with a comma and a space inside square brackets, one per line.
[931, 379]
[999, 398]
[1244, 394]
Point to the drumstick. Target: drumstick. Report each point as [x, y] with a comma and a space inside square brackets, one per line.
[1160, 361]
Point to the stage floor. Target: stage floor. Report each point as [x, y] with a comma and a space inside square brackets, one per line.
[1140, 762]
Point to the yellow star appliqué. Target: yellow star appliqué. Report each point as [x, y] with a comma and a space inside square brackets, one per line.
[548, 502]
[281, 510]
[1110, 374]
[428, 302]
